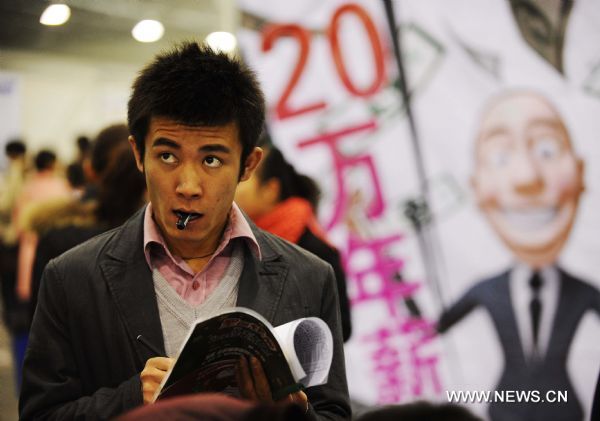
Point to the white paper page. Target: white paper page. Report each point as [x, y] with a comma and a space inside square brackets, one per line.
[285, 337]
[310, 343]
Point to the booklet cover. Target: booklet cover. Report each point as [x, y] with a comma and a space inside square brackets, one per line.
[294, 355]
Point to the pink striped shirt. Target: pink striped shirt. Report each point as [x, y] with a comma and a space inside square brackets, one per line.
[195, 288]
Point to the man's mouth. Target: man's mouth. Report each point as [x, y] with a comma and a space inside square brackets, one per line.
[530, 219]
[185, 217]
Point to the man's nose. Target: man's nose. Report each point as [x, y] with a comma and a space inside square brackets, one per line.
[526, 175]
[189, 183]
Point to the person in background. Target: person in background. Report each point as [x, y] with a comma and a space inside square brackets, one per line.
[283, 202]
[43, 185]
[12, 183]
[13, 310]
[84, 148]
[76, 178]
[74, 213]
[195, 117]
[95, 163]
[62, 225]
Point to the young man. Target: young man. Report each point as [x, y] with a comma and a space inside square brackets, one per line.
[195, 117]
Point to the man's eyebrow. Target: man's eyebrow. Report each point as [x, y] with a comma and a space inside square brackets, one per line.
[162, 141]
[214, 147]
[211, 147]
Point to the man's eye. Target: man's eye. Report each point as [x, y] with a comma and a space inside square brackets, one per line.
[167, 157]
[213, 161]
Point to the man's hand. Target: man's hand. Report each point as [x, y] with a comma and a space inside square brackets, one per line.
[254, 385]
[153, 373]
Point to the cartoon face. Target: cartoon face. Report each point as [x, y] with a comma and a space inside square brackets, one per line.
[193, 170]
[527, 178]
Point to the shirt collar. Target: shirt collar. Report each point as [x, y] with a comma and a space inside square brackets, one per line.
[521, 273]
[237, 227]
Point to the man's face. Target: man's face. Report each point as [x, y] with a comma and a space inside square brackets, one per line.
[527, 179]
[193, 170]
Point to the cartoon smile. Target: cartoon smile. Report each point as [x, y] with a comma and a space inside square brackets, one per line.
[530, 219]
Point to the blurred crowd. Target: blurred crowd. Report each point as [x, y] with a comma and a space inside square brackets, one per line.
[47, 207]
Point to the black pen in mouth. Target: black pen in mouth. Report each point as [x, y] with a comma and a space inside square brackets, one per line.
[184, 218]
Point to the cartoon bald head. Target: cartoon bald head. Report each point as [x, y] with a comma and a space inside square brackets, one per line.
[527, 178]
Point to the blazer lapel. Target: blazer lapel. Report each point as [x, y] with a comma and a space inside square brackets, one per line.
[262, 281]
[567, 316]
[506, 322]
[130, 281]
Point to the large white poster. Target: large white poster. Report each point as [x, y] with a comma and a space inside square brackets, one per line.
[500, 293]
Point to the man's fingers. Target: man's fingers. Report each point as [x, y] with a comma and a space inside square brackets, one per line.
[244, 379]
[153, 374]
[162, 363]
[299, 398]
[252, 380]
[261, 384]
[157, 367]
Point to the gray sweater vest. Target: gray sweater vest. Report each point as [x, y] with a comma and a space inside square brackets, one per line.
[177, 316]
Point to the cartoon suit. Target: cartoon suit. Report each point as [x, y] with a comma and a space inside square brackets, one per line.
[520, 372]
[527, 182]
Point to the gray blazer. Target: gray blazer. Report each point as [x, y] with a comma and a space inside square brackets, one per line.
[83, 360]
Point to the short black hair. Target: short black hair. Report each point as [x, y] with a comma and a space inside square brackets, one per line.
[105, 143]
[44, 160]
[75, 175]
[84, 144]
[196, 86]
[15, 148]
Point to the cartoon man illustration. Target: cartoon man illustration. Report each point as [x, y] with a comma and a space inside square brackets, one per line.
[528, 181]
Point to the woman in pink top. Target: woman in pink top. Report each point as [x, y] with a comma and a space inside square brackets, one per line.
[43, 185]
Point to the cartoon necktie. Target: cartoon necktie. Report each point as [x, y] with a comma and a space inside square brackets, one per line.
[535, 308]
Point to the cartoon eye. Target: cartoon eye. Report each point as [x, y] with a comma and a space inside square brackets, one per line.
[213, 161]
[546, 148]
[499, 158]
[167, 157]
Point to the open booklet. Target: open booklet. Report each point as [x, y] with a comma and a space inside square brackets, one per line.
[294, 355]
